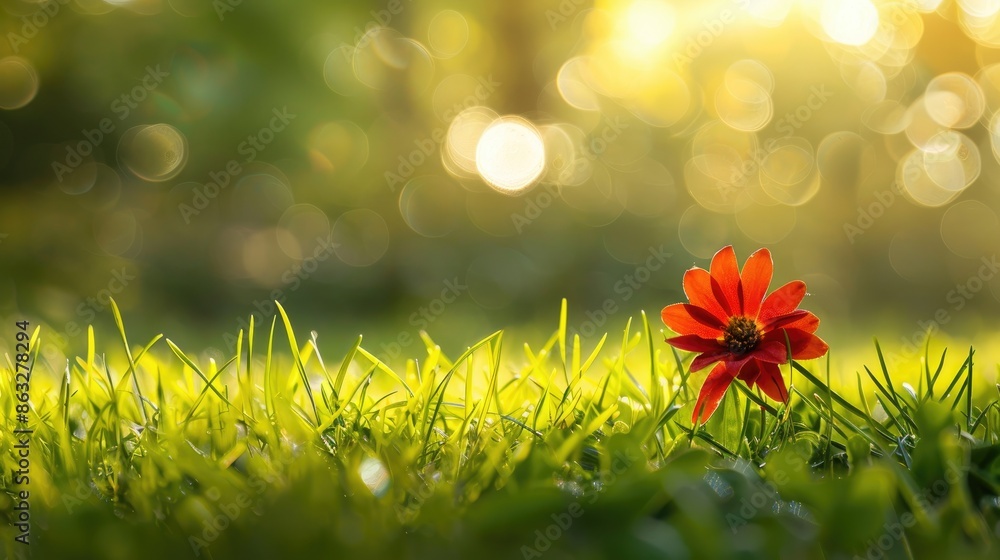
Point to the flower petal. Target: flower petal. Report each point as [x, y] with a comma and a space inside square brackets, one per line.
[701, 361]
[726, 274]
[684, 318]
[771, 382]
[749, 373]
[711, 393]
[698, 286]
[800, 319]
[805, 345]
[714, 389]
[782, 301]
[754, 281]
[694, 343]
[771, 351]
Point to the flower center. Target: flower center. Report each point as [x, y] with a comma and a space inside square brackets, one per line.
[741, 335]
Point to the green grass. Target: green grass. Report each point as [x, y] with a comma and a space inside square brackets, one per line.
[563, 450]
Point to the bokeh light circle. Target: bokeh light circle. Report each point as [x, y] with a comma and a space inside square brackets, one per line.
[447, 34]
[18, 82]
[510, 155]
[702, 232]
[849, 22]
[954, 100]
[917, 184]
[462, 139]
[338, 71]
[153, 153]
[304, 229]
[845, 159]
[788, 172]
[951, 160]
[970, 229]
[384, 59]
[260, 196]
[338, 148]
[117, 232]
[431, 205]
[766, 224]
[360, 237]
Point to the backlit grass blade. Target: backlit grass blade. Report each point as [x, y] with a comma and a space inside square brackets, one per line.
[572, 442]
[707, 438]
[655, 395]
[562, 334]
[297, 359]
[968, 395]
[383, 367]
[937, 373]
[885, 373]
[827, 391]
[891, 397]
[956, 377]
[345, 365]
[823, 409]
[615, 373]
[128, 354]
[439, 391]
[248, 392]
[742, 388]
[209, 386]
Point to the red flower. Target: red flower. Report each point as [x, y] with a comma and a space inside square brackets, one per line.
[731, 322]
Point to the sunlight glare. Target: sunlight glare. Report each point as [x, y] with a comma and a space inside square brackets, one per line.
[510, 155]
[650, 21]
[849, 22]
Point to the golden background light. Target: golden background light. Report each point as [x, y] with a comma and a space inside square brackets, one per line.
[510, 155]
[849, 22]
[650, 22]
[629, 123]
[464, 132]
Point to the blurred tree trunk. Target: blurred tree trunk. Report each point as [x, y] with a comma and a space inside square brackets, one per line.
[519, 23]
